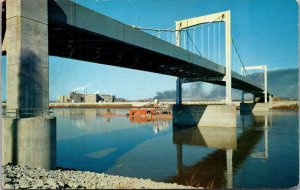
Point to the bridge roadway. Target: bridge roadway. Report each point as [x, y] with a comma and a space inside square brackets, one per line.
[79, 33]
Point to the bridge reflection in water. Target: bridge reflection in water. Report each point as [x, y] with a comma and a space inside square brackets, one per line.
[198, 156]
[216, 170]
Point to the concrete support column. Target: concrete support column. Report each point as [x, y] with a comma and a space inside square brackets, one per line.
[270, 98]
[27, 55]
[29, 141]
[265, 68]
[228, 58]
[254, 97]
[242, 97]
[178, 91]
[29, 132]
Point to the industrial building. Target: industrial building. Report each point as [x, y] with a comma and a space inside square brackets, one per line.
[76, 97]
[92, 98]
[107, 98]
[63, 99]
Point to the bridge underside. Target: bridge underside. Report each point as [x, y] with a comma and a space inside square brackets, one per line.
[70, 42]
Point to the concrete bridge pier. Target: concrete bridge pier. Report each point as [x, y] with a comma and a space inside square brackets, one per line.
[28, 132]
[202, 115]
[259, 104]
[242, 96]
[178, 91]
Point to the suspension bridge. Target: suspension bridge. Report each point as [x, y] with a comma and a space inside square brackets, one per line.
[196, 49]
[200, 51]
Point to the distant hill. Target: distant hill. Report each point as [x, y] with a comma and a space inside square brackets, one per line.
[282, 83]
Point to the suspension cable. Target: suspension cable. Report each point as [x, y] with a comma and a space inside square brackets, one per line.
[193, 43]
[173, 30]
[246, 72]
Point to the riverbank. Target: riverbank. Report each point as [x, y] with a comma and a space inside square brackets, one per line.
[290, 105]
[285, 105]
[116, 105]
[22, 177]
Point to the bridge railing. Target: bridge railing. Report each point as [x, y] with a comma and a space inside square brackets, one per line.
[28, 112]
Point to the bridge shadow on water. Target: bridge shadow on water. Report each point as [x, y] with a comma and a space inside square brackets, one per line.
[99, 152]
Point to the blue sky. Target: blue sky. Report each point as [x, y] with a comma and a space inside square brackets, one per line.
[265, 32]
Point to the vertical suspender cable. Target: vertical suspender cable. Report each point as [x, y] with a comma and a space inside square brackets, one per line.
[168, 36]
[219, 44]
[239, 63]
[234, 63]
[214, 41]
[194, 39]
[202, 40]
[187, 40]
[173, 37]
[208, 42]
[184, 42]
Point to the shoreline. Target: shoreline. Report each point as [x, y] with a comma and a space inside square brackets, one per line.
[282, 105]
[276, 105]
[17, 177]
[83, 105]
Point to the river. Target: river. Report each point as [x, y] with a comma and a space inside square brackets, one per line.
[262, 151]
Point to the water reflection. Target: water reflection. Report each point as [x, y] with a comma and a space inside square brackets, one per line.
[259, 152]
[266, 119]
[87, 141]
[81, 118]
[160, 126]
[76, 122]
[217, 169]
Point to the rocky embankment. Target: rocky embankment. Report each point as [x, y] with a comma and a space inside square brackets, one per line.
[17, 177]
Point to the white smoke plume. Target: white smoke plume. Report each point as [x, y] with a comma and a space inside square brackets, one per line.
[82, 88]
[97, 92]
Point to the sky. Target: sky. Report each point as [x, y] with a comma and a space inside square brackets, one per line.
[265, 32]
